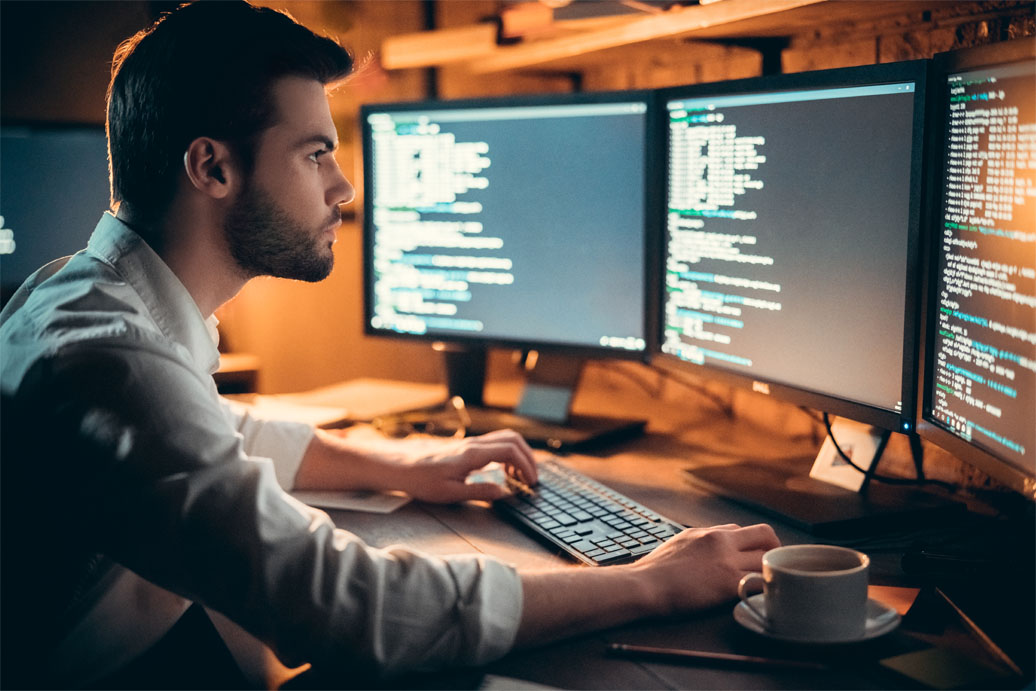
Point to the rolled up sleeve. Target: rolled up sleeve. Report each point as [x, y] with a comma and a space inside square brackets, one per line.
[283, 442]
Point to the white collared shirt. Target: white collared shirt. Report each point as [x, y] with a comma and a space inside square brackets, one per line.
[174, 497]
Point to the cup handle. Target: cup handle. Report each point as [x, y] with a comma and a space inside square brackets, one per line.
[746, 588]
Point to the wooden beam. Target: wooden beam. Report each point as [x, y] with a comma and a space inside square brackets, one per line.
[671, 24]
[464, 43]
[439, 47]
[565, 41]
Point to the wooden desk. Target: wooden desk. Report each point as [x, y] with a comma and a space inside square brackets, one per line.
[581, 662]
[649, 469]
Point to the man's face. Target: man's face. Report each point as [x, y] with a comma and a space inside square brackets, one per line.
[284, 220]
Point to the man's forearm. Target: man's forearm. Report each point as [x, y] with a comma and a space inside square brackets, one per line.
[575, 600]
[333, 463]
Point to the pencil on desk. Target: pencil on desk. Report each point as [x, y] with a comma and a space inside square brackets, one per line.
[705, 657]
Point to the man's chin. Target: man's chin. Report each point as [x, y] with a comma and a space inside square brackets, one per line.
[311, 272]
[316, 275]
[323, 270]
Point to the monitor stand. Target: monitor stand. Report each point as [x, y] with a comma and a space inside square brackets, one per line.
[786, 491]
[542, 415]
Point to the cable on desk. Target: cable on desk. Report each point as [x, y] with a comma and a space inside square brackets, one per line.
[918, 462]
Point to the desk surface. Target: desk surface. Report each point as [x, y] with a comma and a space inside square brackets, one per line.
[650, 470]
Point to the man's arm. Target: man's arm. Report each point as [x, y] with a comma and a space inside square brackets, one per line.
[697, 569]
[150, 474]
[430, 470]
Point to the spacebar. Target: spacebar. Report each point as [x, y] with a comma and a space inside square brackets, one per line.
[612, 556]
[641, 550]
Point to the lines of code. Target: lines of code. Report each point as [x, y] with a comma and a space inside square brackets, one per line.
[421, 171]
[710, 169]
[985, 347]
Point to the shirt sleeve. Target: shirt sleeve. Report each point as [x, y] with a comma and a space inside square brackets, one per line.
[162, 484]
[281, 441]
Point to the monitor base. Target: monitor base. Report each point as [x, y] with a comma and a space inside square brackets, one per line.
[576, 433]
[786, 492]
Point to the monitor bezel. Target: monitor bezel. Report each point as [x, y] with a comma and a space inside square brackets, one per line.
[652, 197]
[999, 468]
[844, 406]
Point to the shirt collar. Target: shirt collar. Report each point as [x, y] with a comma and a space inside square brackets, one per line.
[168, 302]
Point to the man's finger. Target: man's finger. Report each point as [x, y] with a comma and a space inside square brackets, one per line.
[477, 456]
[482, 491]
[506, 435]
[759, 536]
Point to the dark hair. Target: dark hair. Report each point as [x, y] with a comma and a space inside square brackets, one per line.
[203, 70]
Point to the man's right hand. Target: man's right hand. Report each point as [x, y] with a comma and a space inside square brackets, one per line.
[701, 567]
[695, 570]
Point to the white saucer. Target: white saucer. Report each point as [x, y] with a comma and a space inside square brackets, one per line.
[881, 619]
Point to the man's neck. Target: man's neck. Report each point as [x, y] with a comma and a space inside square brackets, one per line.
[196, 252]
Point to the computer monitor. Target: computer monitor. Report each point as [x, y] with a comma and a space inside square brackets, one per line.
[520, 222]
[791, 255]
[53, 190]
[978, 389]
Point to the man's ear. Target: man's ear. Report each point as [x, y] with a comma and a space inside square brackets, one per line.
[209, 167]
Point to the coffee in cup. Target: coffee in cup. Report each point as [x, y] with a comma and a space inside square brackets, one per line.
[810, 593]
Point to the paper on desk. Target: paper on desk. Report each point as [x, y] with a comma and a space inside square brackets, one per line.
[367, 398]
[279, 407]
[938, 668]
[371, 502]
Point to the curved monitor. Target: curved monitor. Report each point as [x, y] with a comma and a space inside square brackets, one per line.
[520, 222]
[792, 236]
[978, 389]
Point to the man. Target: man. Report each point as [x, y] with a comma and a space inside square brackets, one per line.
[158, 495]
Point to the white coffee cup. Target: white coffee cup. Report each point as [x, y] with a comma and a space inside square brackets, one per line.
[810, 593]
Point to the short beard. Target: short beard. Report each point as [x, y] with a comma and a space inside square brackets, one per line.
[265, 241]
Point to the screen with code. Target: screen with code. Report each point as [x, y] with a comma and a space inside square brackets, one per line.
[789, 222]
[508, 222]
[982, 387]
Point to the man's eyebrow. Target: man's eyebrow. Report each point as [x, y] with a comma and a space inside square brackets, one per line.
[329, 143]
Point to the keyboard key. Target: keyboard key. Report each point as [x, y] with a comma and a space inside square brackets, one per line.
[646, 548]
[613, 557]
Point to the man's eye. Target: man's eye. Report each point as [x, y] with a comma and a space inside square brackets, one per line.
[315, 156]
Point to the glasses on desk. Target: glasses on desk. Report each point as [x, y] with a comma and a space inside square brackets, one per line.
[453, 420]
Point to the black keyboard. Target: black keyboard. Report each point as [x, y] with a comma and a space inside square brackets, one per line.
[586, 519]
